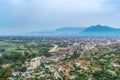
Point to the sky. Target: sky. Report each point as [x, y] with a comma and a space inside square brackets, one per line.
[24, 16]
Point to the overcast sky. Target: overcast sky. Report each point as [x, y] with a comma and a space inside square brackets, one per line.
[20, 16]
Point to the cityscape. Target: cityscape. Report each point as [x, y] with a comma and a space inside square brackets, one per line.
[60, 58]
[59, 40]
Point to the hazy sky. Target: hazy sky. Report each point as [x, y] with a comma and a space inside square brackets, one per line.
[19, 16]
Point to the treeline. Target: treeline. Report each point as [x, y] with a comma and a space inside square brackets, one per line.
[19, 57]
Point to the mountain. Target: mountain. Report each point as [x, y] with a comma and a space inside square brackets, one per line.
[97, 30]
[100, 30]
[69, 29]
[64, 31]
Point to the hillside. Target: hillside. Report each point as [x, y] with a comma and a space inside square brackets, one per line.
[97, 30]
[100, 28]
[70, 29]
[97, 64]
[65, 31]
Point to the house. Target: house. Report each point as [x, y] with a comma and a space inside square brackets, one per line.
[11, 78]
[5, 65]
[15, 73]
[35, 62]
[56, 75]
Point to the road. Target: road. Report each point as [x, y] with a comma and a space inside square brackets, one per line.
[54, 49]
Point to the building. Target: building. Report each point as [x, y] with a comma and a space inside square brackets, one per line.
[35, 62]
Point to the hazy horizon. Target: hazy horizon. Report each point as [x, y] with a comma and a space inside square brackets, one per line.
[23, 16]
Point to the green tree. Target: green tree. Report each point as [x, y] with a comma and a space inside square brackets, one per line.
[75, 55]
[5, 73]
[1, 60]
[23, 69]
[103, 75]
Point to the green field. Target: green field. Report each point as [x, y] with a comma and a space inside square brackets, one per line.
[25, 48]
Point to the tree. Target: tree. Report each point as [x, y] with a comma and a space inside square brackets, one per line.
[103, 75]
[23, 69]
[1, 67]
[75, 55]
[1, 60]
[5, 73]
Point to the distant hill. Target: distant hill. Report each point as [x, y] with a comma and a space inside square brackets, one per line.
[69, 29]
[100, 30]
[65, 31]
[97, 30]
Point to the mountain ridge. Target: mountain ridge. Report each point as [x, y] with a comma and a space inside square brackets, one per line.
[70, 29]
[94, 30]
[100, 28]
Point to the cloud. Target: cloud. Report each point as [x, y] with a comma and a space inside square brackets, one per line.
[55, 6]
[56, 13]
[39, 9]
[78, 5]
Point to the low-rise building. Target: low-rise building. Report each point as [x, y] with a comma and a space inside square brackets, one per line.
[35, 62]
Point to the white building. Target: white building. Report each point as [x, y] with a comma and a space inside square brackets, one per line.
[35, 62]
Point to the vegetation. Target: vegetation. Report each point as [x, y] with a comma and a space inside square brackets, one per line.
[97, 64]
[5, 73]
[101, 63]
[16, 50]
